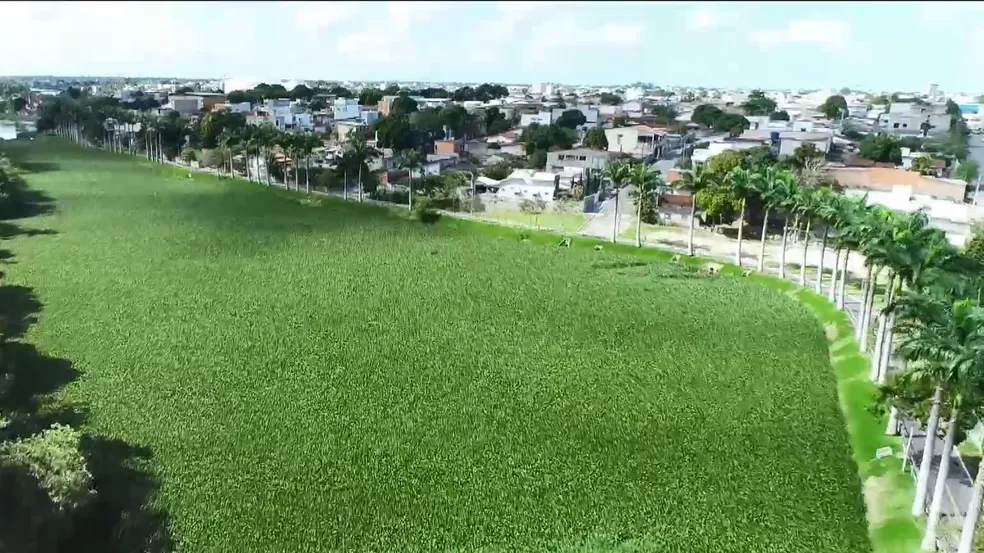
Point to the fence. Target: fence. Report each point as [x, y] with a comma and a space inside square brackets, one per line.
[957, 485]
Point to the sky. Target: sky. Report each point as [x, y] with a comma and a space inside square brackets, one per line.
[876, 46]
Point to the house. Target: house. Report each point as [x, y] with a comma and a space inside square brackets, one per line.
[637, 140]
[909, 118]
[907, 191]
[527, 184]
[574, 162]
[209, 99]
[186, 105]
[241, 107]
[787, 141]
[436, 163]
[369, 116]
[449, 147]
[345, 109]
[540, 118]
[344, 128]
[590, 115]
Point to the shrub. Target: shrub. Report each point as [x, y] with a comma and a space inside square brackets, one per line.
[424, 210]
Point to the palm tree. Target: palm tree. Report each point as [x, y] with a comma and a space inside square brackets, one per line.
[617, 172]
[410, 160]
[806, 204]
[943, 340]
[311, 143]
[739, 181]
[787, 192]
[769, 190]
[285, 141]
[362, 153]
[825, 211]
[267, 137]
[646, 182]
[226, 140]
[697, 179]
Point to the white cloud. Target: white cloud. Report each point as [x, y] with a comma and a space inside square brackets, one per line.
[827, 33]
[704, 19]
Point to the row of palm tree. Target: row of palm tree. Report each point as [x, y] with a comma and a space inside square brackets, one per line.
[931, 320]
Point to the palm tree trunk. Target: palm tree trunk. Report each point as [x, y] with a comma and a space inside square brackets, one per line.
[765, 228]
[615, 218]
[843, 281]
[266, 164]
[865, 290]
[639, 221]
[832, 293]
[922, 484]
[929, 540]
[297, 181]
[885, 357]
[693, 215]
[741, 228]
[823, 252]
[410, 194]
[969, 531]
[360, 182]
[806, 247]
[307, 174]
[868, 311]
[880, 333]
[782, 251]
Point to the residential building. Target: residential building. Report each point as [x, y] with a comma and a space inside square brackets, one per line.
[540, 118]
[187, 105]
[574, 162]
[344, 128]
[446, 147]
[369, 116]
[637, 140]
[909, 117]
[241, 107]
[346, 108]
[527, 184]
[590, 115]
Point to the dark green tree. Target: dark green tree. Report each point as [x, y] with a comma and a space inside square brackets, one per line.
[834, 107]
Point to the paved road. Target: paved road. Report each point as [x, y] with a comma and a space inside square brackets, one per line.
[601, 223]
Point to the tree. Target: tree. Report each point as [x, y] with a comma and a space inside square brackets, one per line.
[370, 96]
[693, 181]
[758, 104]
[301, 92]
[571, 119]
[705, 115]
[495, 121]
[882, 148]
[544, 137]
[648, 185]
[410, 160]
[617, 172]
[391, 90]
[739, 181]
[781, 115]
[834, 107]
[538, 159]
[732, 123]
[968, 171]
[595, 138]
[768, 187]
[923, 165]
[804, 154]
[619, 121]
[497, 171]
[394, 131]
[610, 99]
[361, 154]
[719, 204]
[974, 248]
[723, 163]
[404, 104]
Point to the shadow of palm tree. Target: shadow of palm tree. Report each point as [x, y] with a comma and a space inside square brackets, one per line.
[120, 517]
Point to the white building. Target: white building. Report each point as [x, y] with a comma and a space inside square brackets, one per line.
[241, 107]
[346, 108]
[527, 184]
[638, 140]
[541, 118]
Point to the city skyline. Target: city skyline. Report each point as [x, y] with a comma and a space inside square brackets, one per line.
[752, 45]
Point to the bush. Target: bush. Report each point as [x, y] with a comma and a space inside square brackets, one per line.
[188, 155]
[494, 146]
[425, 212]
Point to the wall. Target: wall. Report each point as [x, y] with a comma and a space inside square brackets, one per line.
[541, 118]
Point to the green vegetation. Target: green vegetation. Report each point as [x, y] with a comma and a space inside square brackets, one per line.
[334, 377]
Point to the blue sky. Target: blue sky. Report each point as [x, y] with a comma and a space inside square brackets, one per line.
[881, 46]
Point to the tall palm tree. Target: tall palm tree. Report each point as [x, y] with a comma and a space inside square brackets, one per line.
[285, 141]
[646, 183]
[226, 141]
[943, 339]
[739, 180]
[410, 160]
[769, 190]
[311, 143]
[787, 191]
[361, 153]
[693, 181]
[617, 172]
[806, 204]
[825, 210]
